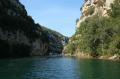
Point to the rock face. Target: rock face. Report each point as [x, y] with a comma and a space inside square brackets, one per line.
[95, 7]
[56, 41]
[97, 34]
[19, 35]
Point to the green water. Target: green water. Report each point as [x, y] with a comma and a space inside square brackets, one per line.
[58, 68]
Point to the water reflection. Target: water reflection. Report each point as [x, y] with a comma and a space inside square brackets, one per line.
[14, 68]
[53, 68]
[98, 69]
[58, 68]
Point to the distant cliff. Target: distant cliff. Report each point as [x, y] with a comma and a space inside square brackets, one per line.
[56, 41]
[20, 36]
[98, 30]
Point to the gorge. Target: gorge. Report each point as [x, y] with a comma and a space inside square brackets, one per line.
[29, 50]
[97, 32]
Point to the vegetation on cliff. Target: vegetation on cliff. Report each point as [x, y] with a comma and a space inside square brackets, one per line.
[98, 35]
[20, 36]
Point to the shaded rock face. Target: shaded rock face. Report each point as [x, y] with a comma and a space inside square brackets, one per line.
[95, 7]
[39, 48]
[18, 32]
[19, 35]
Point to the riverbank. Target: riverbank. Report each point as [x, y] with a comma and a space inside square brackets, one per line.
[87, 56]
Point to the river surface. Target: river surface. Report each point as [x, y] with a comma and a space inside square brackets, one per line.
[58, 68]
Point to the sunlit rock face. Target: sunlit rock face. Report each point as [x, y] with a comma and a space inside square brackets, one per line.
[95, 7]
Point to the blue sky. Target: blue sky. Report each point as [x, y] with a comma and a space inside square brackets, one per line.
[59, 15]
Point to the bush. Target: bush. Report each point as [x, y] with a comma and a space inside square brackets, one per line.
[99, 35]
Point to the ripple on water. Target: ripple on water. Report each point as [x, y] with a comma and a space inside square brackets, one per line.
[58, 68]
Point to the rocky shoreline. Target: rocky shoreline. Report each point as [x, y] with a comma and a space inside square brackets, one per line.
[87, 56]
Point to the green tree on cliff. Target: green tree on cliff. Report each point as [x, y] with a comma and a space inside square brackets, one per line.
[100, 35]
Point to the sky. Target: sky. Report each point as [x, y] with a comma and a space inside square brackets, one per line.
[58, 15]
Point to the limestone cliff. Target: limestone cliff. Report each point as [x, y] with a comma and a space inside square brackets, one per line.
[97, 33]
[19, 35]
[95, 7]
